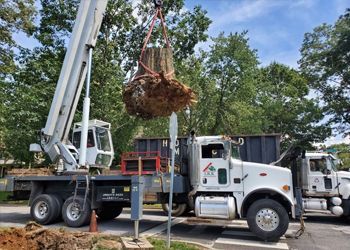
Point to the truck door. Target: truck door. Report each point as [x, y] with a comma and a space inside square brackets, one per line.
[321, 176]
[214, 166]
[90, 145]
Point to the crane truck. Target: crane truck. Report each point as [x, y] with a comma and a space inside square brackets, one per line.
[219, 185]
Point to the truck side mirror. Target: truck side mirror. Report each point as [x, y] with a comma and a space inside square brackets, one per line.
[225, 154]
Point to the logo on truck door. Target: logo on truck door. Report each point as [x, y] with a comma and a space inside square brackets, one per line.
[209, 170]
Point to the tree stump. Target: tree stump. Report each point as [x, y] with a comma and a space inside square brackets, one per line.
[158, 60]
[154, 92]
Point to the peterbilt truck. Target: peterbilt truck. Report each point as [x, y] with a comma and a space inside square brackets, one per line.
[324, 187]
[219, 185]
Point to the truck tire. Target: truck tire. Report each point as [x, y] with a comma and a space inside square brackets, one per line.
[267, 219]
[109, 212]
[45, 209]
[74, 214]
[59, 202]
[178, 209]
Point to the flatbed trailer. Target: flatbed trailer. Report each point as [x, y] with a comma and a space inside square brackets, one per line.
[102, 191]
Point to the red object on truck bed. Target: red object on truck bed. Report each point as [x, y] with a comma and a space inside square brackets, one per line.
[151, 162]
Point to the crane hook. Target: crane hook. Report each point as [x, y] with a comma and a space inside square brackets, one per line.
[158, 3]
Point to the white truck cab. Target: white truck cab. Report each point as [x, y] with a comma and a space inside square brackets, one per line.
[324, 187]
[225, 187]
[99, 152]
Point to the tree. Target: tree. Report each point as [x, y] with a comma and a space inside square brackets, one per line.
[15, 16]
[343, 153]
[285, 108]
[231, 67]
[28, 99]
[325, 61]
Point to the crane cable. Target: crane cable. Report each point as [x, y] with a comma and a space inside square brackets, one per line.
[157, 15]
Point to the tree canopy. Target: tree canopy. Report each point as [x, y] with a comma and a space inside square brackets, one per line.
[325, 61]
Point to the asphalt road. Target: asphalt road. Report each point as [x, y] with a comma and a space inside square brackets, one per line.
[322, 231]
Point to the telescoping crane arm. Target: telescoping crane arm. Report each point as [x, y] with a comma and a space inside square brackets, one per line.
[54, 137]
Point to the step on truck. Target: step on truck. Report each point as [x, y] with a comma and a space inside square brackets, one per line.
[219, 185]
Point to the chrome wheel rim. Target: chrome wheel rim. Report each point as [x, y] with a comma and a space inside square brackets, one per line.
[41, 209]
[267, 219]
[73, 211]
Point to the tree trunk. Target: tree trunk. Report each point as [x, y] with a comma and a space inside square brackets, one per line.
[158, 60]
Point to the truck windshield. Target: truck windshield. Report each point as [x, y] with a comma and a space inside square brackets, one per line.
[90, 139]
[102, 138]
[334, 163]
[235, 151]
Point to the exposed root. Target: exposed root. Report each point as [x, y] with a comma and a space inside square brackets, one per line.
[149, 97]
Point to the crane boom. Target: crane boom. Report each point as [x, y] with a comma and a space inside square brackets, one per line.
[54, 137]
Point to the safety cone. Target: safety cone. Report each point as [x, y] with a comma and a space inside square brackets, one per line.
[93, 223]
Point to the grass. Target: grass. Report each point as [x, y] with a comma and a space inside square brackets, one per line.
[3, 195]
[174, 245]
[152, 206]
[4, 199]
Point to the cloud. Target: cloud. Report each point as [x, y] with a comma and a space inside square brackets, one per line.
[244, 11]
[305, 4]
[337, 140]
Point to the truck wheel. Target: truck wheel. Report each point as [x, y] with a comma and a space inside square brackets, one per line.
[109, 212]
[178, 209]
[73, 213]
[59, 202]
[45, 209]
[267, 219]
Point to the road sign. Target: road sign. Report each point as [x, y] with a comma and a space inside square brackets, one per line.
[173, 137]
[173, 130]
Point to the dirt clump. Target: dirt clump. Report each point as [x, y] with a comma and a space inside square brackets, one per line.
[149, 96]
[34, 236]
[154, 91]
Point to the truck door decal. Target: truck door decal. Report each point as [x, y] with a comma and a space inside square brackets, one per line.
[209, 170]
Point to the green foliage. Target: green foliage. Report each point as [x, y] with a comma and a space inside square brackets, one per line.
[325, 61]
[285, 107]
[343, 153]
[231, 67]
[15, 16]
[161, 244]
[28, 99]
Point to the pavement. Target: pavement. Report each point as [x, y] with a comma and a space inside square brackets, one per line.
[323, 231]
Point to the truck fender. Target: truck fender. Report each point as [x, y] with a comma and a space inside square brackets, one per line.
[37, 188]
[345, 190]
[262, 193]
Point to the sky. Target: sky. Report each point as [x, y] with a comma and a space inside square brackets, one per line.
[275, 28]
